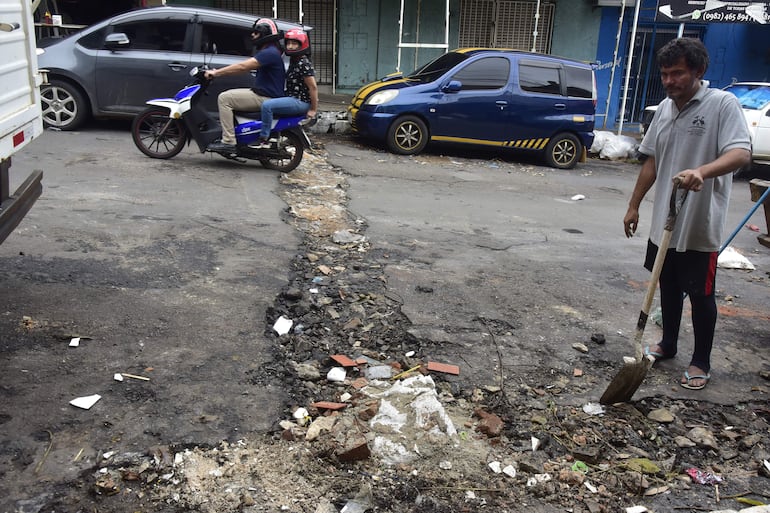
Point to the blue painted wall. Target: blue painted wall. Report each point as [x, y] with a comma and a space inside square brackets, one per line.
[737, 51]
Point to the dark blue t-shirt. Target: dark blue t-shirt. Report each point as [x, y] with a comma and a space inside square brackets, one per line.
[271, 75]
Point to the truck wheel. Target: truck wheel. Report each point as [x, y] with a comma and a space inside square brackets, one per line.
[563, 151]
[157, 135]
[408, 135]
[64, 106]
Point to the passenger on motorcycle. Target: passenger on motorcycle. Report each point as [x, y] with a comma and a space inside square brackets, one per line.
[301, 88]
[269, 81]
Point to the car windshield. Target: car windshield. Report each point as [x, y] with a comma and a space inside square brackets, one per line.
[752, 97]
[437, 67]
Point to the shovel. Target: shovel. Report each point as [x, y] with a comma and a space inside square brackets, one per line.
[627, 381]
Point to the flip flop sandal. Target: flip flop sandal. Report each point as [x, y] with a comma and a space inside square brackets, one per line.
[657, 355]
[687, 385]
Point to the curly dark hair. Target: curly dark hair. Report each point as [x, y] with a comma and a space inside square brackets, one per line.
[695, 54]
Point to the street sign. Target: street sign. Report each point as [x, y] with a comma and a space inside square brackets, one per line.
[713, 11]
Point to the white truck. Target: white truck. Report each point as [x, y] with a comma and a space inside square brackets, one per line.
[20, 117]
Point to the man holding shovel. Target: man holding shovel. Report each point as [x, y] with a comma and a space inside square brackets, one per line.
[698, 136]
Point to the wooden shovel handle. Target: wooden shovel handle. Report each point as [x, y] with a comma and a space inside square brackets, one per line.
[660, 257]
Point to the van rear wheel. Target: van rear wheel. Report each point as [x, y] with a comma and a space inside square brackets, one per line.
[408, 135]
[563, 151]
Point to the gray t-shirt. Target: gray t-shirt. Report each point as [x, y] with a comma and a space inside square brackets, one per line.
[710, 124]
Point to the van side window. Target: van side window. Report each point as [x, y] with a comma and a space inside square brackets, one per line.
[580, 82]
[539, 79]
[486, 73]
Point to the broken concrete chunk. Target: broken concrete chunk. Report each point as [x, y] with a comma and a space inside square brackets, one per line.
[661, 415]
[579, 346]
[702, 436]
[337, 374]
[378, 372]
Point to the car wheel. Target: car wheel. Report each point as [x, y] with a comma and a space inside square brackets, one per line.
[408, 135]
[156, 135]
[563, 151]
[64, 106]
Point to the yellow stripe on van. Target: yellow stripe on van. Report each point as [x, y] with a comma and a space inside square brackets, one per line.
[444, 138]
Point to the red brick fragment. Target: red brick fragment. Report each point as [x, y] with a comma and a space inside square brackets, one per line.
[343, 360]
[444, 367]
[328, 405]
[359, 383]
[490, 424]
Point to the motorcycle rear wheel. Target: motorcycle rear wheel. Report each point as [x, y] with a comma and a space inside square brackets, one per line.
[290, 148]
[158, 136]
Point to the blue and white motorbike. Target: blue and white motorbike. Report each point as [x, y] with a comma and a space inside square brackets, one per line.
[162, 130]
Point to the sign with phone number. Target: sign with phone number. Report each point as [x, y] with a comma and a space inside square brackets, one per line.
[713, 11]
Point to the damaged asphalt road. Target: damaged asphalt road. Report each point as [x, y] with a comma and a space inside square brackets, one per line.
[176, 270]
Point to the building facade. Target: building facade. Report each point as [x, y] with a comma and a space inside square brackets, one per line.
[358, 41]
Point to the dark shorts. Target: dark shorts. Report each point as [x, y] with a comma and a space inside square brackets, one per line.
[694, 271]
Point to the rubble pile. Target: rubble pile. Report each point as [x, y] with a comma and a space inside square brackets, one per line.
[376, 424]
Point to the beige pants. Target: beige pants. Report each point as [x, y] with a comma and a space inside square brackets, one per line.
[236, 99]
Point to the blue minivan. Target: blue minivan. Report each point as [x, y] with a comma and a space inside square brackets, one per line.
[490, 97]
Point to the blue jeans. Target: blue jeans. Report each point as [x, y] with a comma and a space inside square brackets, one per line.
[284, 106]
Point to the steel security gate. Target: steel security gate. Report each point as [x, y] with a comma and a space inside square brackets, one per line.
[644, 85]
[507, 24]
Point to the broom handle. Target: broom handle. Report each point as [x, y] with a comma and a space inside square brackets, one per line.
[759, 203]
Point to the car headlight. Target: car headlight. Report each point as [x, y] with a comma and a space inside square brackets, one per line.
[381, 97]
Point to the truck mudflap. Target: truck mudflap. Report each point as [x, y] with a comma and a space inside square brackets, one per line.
[14, 207]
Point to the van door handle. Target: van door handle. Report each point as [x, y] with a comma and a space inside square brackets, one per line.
[502, 104]
[176, 66]
[559, 106]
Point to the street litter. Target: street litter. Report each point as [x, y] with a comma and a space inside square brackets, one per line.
[577, 197]
[729, 258]
[702, 477]
[591, 488]
[134, 376]
[538, 478]
[509, 470]
[75, 342]
[301, 415]
[593, 409]
[535, 443]
[282, 325]
[496, 467]
[636, 509]
[85, 402]
[117, 376]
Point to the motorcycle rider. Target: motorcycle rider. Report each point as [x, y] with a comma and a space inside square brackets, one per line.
[301, 88]
[269, 81]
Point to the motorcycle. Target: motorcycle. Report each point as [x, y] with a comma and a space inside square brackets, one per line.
[162, 130]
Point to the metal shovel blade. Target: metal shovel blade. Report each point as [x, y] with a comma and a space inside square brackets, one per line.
[626, 382]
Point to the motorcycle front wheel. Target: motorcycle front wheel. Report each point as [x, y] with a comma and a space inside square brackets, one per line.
[157, 135]
[287, 156]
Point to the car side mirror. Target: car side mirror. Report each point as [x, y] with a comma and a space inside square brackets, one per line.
[453, 86]
[116, 40]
